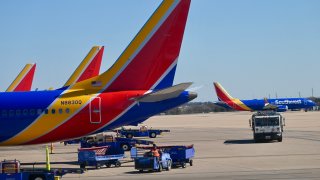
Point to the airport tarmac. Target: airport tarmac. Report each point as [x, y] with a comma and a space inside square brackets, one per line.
[224, 150]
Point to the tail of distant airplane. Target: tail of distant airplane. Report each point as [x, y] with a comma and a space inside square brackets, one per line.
[224, 96]
[150, 60]
[89, 67]
[23, 81]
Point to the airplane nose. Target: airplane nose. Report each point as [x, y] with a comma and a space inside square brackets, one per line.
[192, 95]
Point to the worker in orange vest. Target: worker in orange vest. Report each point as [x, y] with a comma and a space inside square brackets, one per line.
[155, 151]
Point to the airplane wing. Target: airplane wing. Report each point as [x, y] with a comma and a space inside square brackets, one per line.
[23, 81]
[270, 106]
[164, 94]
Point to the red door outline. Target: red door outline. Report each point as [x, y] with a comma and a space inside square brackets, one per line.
[95, 110]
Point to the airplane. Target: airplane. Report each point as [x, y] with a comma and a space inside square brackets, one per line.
[89, 67]
[278, 104]
[24, 80]
[137, 86]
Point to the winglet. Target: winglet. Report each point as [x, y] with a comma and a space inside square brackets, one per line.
[23, 81]
[89, 67]
[222, 94]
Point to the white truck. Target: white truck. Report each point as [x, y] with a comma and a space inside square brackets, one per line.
[267, 125]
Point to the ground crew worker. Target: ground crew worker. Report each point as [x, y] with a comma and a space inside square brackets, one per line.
[155, 151]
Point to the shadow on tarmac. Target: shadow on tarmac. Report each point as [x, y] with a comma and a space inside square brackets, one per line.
[43, 163]
[138, 172]
[240, 141]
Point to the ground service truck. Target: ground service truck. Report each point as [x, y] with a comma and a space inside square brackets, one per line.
[267, 125]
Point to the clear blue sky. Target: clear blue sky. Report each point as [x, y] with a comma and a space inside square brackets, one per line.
[253, 48]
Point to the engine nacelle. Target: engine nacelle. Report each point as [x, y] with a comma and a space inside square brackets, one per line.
[282, 108]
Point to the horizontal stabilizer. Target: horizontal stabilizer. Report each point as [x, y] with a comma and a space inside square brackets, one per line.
[164, 94]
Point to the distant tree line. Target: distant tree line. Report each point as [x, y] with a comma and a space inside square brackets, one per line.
[209, 107]
[197, 107]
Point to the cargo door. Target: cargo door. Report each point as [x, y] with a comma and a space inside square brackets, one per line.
[95, 110]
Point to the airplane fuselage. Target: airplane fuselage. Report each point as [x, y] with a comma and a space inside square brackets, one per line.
[259, 104]
[26, 119]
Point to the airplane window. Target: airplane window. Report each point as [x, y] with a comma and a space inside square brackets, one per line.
[32, 112]
[60, 111]
[4, 113]
[11, 113]
[46, 111]
[53, 111]
[18, 112]
[39, 111]
[67, 110]
[25, 112]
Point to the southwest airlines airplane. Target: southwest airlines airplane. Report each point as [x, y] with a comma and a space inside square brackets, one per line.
[89, 67]
[278, 104]
[137, 86]
[24, 80]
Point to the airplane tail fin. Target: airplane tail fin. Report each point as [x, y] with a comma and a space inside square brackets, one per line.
[89, 67]
[24, 80]
[222, 94]
[150, 60]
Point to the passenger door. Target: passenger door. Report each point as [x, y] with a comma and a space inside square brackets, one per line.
[95, 110]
